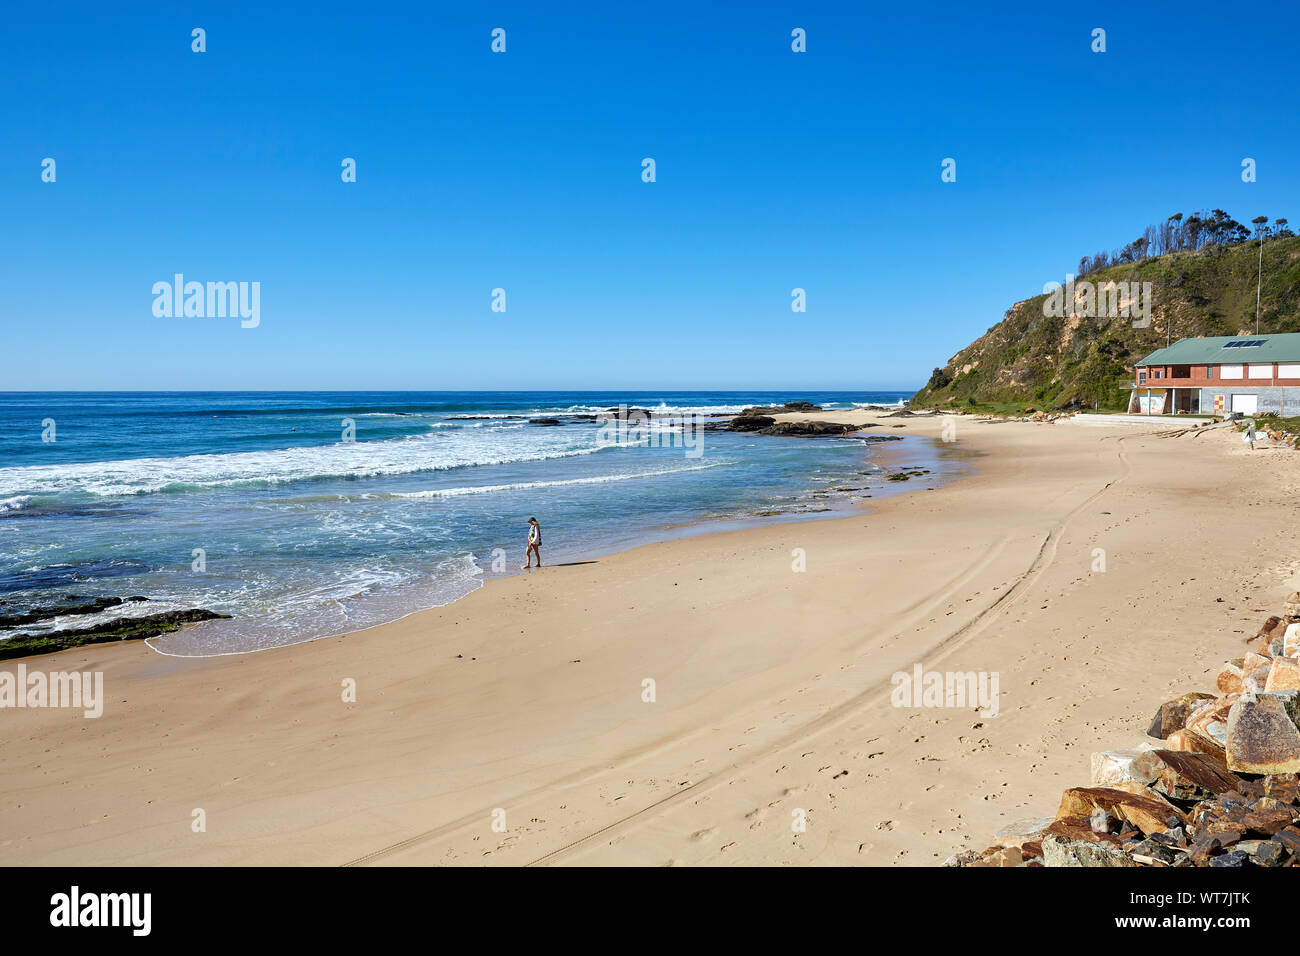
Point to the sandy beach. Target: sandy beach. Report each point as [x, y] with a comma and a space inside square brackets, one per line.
[510, 727]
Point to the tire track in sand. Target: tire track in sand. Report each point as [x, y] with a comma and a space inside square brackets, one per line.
[833, 718]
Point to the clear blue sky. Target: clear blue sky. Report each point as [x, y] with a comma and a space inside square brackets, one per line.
[523, 171]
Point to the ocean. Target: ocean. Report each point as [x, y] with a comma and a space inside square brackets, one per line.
[257, 504]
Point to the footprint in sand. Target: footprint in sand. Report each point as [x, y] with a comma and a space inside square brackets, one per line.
[706, 834]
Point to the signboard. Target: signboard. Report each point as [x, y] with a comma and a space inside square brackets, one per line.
[1153, 403]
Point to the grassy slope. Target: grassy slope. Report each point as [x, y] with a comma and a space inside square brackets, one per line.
[1031, 359]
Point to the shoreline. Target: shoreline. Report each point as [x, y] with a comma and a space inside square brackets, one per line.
[772, 686]
[875, 455]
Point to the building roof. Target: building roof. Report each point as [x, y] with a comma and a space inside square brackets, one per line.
[1229, 350]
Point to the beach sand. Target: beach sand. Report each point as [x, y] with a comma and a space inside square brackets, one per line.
[523, 703]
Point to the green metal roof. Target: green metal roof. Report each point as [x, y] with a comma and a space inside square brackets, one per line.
[1229, 350]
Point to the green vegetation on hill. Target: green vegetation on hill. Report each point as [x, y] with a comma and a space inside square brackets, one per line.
[1077, 361]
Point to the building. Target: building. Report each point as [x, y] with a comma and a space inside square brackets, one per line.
[1217, 375]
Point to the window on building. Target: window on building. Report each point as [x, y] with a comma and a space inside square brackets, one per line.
[1142, 375]
[1230, 371]
[1209, 371]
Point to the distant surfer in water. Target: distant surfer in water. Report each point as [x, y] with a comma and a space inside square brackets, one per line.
[534, 543]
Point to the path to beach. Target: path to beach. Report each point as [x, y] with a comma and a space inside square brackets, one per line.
[772, 688]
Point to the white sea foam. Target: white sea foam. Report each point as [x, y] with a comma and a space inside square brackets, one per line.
[661, 409]
[16, 503]
[363, 459]
[359, 598]
[530, 485]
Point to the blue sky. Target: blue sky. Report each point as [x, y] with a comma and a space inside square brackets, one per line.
[522, 171]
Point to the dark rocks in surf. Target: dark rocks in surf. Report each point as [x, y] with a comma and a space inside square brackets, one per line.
[544, 421]
[808, 428]
[750, 423]
[781, 409]
[69, 605]
[119, 629]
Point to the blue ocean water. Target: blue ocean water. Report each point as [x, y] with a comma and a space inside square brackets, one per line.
[253, 504]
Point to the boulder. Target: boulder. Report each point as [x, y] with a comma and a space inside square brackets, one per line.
[1146, 810]
[1283, 674]
[1269, 638]
[1290, 839]
[1191, 776]
[1232, 678]
[1021, 831]
[1284, 788]
[1268, 822]
[1006, 856]
[1173, 714]
[1188, 741]
[1291, 607]
[1262, 736]
[1291, 640]
[1113, 767]
[1151, 853]
[1211, 720]
[1071, 842]
[1262, 852]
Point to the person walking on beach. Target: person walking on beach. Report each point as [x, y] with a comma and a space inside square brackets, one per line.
[534, 543]
[1248, 438]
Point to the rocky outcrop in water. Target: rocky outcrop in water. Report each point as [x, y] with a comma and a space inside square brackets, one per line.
[809, 428]
[69, 605]
[781, 409]
[25, 644]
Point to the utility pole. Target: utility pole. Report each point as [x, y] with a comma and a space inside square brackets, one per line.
[1260, 224]
[1259, 285]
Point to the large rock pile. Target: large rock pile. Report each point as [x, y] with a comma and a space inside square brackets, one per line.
[1222, 790]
